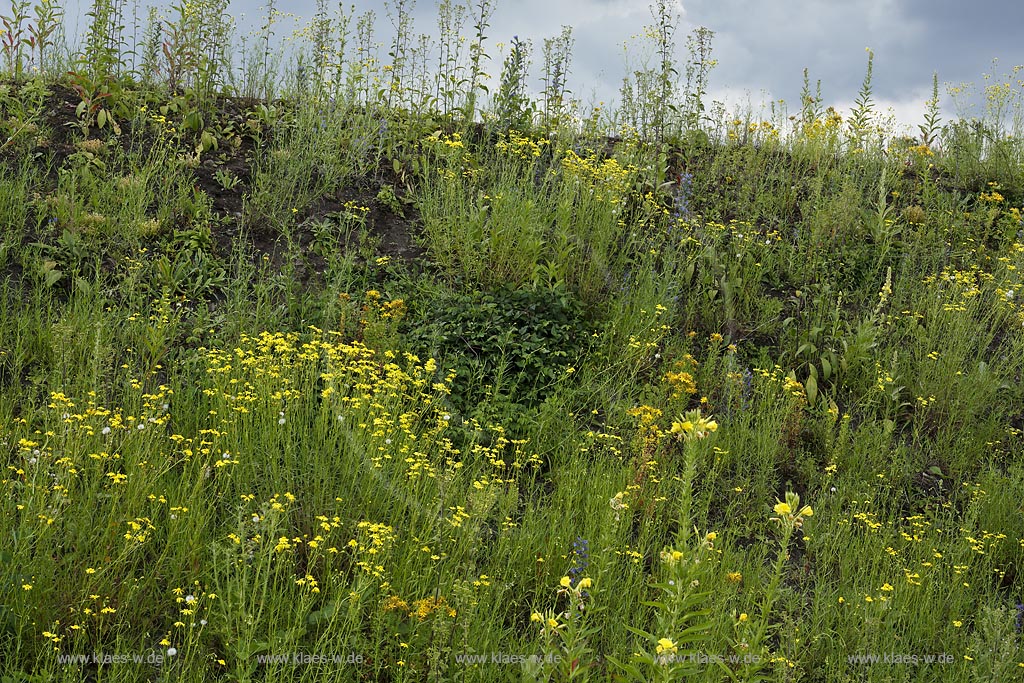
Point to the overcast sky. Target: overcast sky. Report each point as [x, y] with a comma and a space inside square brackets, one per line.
[762, 46]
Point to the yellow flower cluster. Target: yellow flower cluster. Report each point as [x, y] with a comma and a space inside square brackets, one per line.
[521, 146]
[603, 180]
[826, 127]
[755, 131]
[371, 543]
[793, 387]
[647, 417]
[681, 383]
[420, 609]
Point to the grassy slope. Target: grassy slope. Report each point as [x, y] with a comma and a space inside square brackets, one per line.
[223, 431]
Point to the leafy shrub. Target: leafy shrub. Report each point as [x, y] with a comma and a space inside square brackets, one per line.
[504, 343]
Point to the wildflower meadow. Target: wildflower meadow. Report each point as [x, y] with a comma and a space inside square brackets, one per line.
[341, 359]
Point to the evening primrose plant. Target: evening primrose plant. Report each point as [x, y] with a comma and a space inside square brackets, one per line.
[690, 428]
[565, 653]
[682, 629]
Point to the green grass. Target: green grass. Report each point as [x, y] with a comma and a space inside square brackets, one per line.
[319, 377]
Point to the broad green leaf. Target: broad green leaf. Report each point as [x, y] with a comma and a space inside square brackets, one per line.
[811, 387]
[630, 669]
[640, 632]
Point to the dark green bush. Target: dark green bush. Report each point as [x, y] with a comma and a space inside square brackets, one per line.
[504, 344]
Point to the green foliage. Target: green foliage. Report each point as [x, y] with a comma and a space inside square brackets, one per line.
[23, 44]
[451, 17]
[513, 107]
[96, 94]
[512, 343]
[810, 105]
[196, 62]
[13, 40]
[480, 12]
[104, 42]
[399, 13]
[649, 97]
[932, 125]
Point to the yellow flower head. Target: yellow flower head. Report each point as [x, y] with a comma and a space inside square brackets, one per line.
[666, 645]
[693, 425]
[787, 518]
[671, 557]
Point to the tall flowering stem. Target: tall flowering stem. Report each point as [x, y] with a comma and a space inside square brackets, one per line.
[565, 635]
[790, 516]
[690, 428]
[581, 560]
[682, 628]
